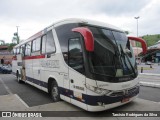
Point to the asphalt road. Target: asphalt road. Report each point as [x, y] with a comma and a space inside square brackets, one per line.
[33, 96]
[150, 93]
[29, 94]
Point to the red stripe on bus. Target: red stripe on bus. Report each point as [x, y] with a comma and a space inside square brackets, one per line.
[34, 57]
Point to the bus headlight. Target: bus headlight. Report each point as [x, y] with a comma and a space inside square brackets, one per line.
[97, 90]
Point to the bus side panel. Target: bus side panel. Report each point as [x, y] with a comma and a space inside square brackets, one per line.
[36, 72]
[28, 68]
[52, 68]
[63, 81]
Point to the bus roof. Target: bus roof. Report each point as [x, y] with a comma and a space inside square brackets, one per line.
[66, 21]
[87, 21]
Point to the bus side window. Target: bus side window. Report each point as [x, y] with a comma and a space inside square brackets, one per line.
[18, 50]
[36, 44]
[75, 55]
[50, 45]
[44, 38]
[33, 45]
[28, 49]
[22, 50]
[14, 51]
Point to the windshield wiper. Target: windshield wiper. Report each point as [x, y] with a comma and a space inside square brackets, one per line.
[127, 60]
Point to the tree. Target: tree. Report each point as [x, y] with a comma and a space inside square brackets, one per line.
[10, 46]
[2, 42]
[15, 38]
[127, 32]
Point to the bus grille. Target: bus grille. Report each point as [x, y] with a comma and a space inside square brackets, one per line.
[116, 94]
[124, 92]
[133, 90]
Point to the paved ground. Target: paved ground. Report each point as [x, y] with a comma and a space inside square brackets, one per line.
[137, 105]
[150, 76]
[149, 79]
[29, 94]
[146, 68]
[149, 93]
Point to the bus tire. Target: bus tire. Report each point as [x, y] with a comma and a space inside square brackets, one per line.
[19, 78]
[55, 91]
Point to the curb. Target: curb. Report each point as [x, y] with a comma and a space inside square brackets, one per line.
[149, 84]
[150, 74]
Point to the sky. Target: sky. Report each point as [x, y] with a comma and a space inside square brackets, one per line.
[34, 15]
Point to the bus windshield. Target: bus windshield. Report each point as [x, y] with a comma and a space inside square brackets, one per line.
[109, 57]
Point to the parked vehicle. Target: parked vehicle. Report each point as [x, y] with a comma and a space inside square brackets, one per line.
[86, 63]
[5, 69]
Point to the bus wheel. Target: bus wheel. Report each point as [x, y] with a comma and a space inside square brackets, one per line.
[18, 77]
[55, 92]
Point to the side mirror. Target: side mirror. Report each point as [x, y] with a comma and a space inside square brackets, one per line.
[143, 43]
[88, 37]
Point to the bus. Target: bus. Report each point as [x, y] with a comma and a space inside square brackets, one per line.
[84, 62]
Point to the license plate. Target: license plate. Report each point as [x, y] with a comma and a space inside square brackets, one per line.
[125, 100]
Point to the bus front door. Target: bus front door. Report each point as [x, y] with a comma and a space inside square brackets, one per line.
[76, 72]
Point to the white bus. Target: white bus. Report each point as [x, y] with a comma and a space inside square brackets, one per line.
[86, 63]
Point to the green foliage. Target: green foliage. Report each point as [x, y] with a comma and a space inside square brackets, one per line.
[10, 46]
[151, 39]
[15, 38]
[127, 32]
